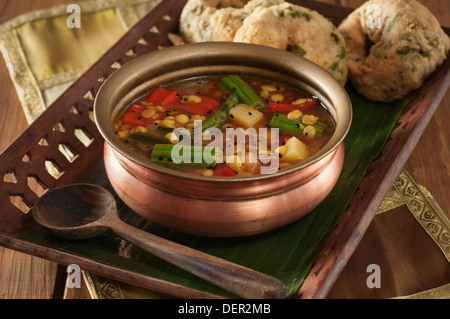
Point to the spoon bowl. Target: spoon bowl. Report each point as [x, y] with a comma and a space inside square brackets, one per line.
[81, 211]
[75, 211]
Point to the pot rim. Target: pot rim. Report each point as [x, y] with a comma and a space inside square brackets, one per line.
[142, 73]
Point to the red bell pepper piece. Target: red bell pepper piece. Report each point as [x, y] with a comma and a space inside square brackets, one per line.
[204, 107]
[158, 95]
[223, 170]
[133, 116]
[194, 109]
[289, 107]
[170, 100]
[209, 103]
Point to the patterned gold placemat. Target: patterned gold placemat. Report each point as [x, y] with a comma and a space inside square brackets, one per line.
[442, 292]
[44, 54]
[426, 211]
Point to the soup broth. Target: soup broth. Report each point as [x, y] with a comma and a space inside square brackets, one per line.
[201, 120]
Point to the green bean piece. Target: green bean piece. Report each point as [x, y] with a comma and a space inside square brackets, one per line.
[244, 91]
[286, 126]
[220, 116]
[150, 138]
[162, 154]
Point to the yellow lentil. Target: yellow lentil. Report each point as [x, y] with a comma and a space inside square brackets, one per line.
[191, 99]
[277, 97]
[182, 118]
[123, 134]
[125, 127]
[309, 119]
[160, 109]
[309, 131]
[299, 101]
[264, 94]
[269, 88]
[148, 113]
[208, 172]
[294, 115]
[141, 129]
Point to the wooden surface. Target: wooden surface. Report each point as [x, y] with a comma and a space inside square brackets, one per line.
[24, 276]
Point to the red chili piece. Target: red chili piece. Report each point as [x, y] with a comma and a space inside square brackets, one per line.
[223, 170]
[289, 107]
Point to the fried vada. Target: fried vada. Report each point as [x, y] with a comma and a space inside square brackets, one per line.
[392, 46]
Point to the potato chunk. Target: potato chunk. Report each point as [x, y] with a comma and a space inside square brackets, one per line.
[245, 116]
[297, 151]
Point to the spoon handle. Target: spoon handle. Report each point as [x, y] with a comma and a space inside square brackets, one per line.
[234, 278]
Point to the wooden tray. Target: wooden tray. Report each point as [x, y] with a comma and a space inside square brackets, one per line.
[26, 164]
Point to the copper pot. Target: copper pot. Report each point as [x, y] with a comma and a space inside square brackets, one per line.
[220, 206]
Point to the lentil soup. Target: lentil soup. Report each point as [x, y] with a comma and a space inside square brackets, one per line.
[283, 124]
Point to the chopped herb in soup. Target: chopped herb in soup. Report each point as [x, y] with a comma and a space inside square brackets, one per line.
[225, 126]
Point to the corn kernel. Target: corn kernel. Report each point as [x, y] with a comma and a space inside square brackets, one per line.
[309, 131]
[299, 101]
[148, 113]
[309, 119]
[294, 115]
[277, 97]
[182, 118]
[123, 134]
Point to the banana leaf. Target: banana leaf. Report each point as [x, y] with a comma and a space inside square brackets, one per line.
[286, 253]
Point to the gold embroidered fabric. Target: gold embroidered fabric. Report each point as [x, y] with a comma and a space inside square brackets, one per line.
[409, 241]
[44, 55]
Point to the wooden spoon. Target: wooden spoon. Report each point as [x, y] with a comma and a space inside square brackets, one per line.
[84, 211]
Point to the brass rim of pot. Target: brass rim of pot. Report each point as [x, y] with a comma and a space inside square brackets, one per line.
[217, 58]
